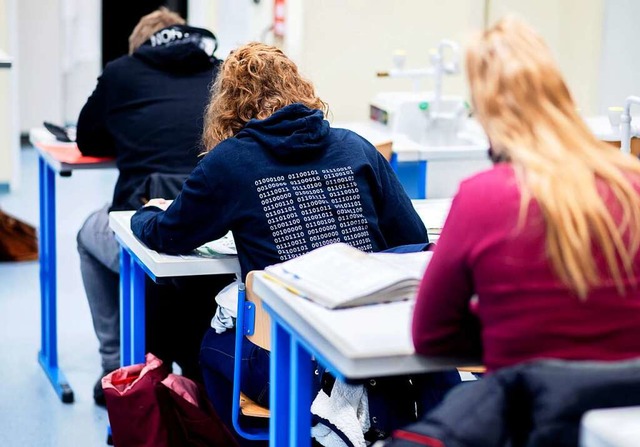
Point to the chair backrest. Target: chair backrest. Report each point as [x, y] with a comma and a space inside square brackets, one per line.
[262, 322]
[253, 319]
[385, 149]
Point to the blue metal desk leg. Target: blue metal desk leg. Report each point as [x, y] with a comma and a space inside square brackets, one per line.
[300, 394]
[48, 355]
[280, 370]
[132, 310]
[132, 313]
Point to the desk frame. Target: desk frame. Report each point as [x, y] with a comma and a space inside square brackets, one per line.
[137, 262]
[48, 355]
[293, 344]
[48, 167]
[132, 307]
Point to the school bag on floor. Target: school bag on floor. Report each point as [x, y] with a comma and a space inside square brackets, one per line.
[18, 240]
[149, 407]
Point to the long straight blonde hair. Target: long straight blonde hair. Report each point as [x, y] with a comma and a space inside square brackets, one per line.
[531, 120]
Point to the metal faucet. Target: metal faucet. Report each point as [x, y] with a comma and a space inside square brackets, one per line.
[440, 66]
[625, 120]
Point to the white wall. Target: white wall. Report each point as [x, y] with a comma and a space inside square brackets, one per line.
[573, 29]
[340, 45]
[81, 54]
[9, 134]
[620, 68]
[59, 50]
[202, 13]
[40, 53]
[233, 22]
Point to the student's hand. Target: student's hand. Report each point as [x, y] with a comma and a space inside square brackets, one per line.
[160, 203]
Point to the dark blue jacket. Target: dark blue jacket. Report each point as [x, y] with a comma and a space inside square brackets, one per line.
[147, 108]
[286, 185]
[534, 404]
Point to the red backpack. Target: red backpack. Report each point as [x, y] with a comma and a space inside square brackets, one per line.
[148, 407]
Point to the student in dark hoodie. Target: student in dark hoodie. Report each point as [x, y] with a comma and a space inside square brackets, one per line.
[284, 182]
[146, 111]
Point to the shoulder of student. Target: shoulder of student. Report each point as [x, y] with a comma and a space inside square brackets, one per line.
[352, 140]
[228, 159]
[121, 71]
[489, 194]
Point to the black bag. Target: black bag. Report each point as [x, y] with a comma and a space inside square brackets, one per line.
[18, 240]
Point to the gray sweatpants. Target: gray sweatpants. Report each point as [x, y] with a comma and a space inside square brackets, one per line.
[100, 267]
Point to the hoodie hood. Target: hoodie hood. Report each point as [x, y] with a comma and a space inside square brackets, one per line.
[179, 48]
[294, 132]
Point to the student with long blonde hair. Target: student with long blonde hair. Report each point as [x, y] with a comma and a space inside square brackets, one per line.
[548, 238]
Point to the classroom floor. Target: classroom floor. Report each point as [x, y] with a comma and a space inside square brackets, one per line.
[30, 412]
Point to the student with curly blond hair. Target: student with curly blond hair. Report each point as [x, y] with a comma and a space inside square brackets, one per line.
[284, 182]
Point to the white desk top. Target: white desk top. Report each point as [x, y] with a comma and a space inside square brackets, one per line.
[5, 60]
[432, 212]
[360, 342]
[163, 265]
[611, 427]
[602, 128]
[40, 136]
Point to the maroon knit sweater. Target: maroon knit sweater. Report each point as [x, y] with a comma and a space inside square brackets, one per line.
[524, 311]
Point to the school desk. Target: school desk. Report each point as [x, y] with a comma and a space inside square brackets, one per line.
[54, 158]
[355, 343]
[136, 260]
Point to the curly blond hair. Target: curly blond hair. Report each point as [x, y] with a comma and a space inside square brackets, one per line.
[254, 81]
[150, 24]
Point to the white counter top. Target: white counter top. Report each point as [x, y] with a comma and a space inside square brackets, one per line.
[409, 150]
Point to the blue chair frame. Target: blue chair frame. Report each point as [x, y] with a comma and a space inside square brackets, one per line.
[245, 325]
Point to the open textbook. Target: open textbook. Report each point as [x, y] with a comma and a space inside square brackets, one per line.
[338, 275]
[226, 245]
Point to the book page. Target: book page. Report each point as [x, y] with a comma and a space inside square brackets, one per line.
[414, 264]
[226, 245]
[360, 332]
[337, 274]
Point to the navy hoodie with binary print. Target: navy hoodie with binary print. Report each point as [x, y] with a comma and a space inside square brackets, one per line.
[284, 186]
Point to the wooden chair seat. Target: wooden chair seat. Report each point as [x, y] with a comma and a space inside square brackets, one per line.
[385, 149]
[479, 369]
